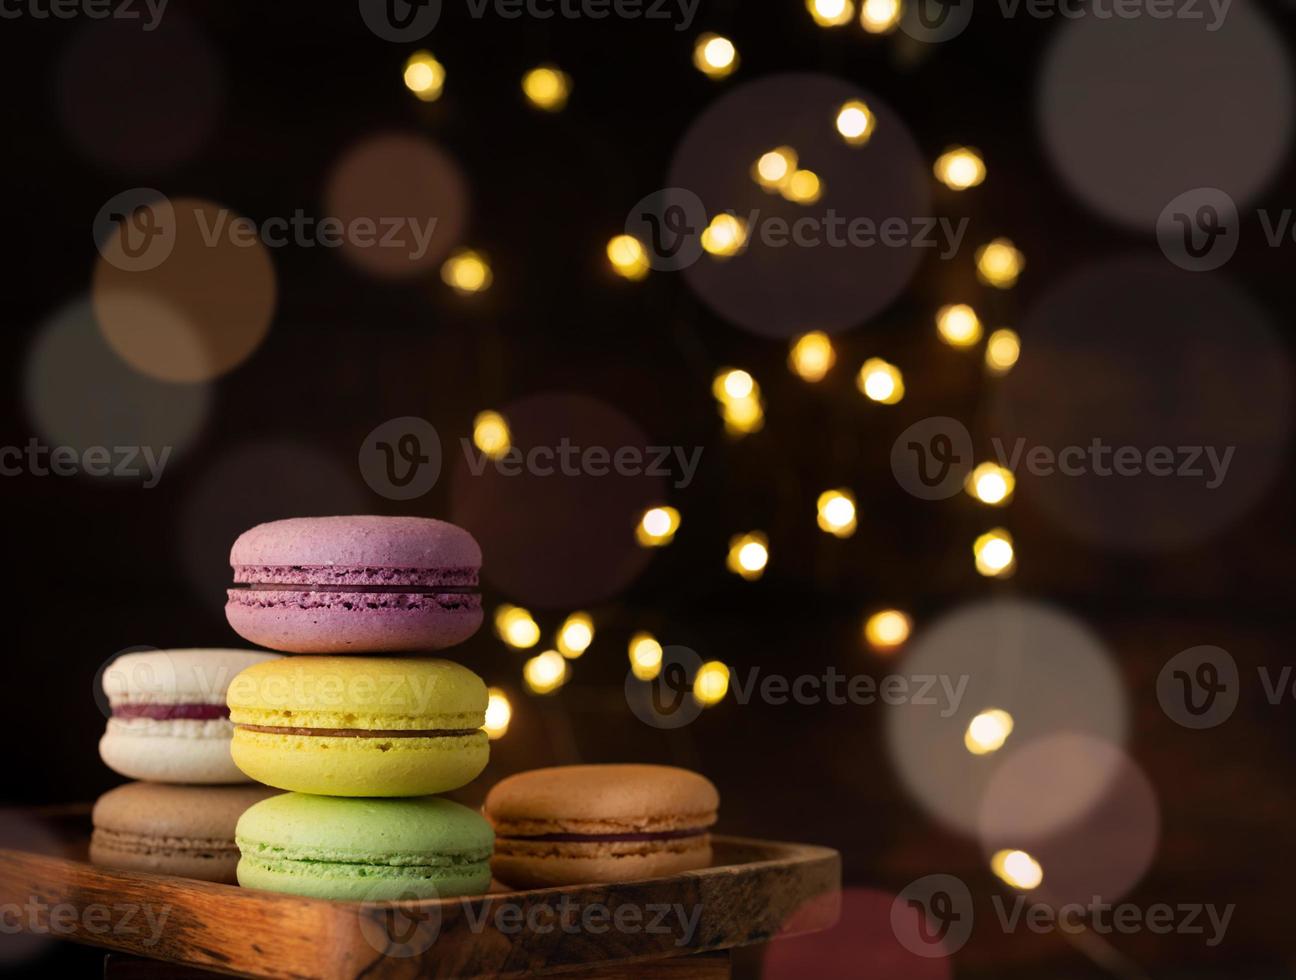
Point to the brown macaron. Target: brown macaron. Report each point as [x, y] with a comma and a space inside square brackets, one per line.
[172, 830]
[574, 824]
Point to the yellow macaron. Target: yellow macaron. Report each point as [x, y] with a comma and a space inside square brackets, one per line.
[349, 726]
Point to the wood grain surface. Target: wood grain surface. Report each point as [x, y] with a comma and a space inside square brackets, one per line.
[754, 891]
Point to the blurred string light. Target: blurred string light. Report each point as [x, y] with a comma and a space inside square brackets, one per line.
[424, 76]
[515, 626]
[811, 356]
[645, 656]
[1018, 869]
[724, 236]
[837, 512]
[774, 168]
[988, 731]
[880, 381]
[466, 271]
[880, 16]
[628, 258]
[575, 635]
[711, 683]
[959, 168]
[1002, 350]
[855, 122]
[999, 263]
[991, 483]
[491, 434]
[657, 527]
[887, 629]
[958, 325]
[831, 13]
[714, 55]
[545, 672]
[748, 555]
[740, 402]
[995, 557]
[547, 87]
[803, 187]
[498, 713]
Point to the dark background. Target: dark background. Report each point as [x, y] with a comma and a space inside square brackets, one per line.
[98, 567]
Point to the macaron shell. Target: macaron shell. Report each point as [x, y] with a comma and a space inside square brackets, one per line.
[162, 758]
[344, 883]
[189, 859]
[353, 692]
[358, 767]
[574, 864]
[355, 623]
[191, 676]
[362, 540]
[601, 799]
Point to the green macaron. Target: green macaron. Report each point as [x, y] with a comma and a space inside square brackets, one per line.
[364, 849]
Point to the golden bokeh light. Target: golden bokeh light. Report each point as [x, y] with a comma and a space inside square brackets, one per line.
[547, 87]
[731, 384]
[724, 236]
[855, 122]
[959, 168]
[546, 672]
[714, 55]
[880, 381]
[645, 656]
[516, 627]
[425, 76]
[491, 434]
[1018, 869]
[467, 271]
[748, 555]
[575, 635]
[811, 356]
[836, 512]
[657, 527]
[803, 187]
[743, 416]
[498, 714]
[711, 683]
[773, 169]
[988, 731]
[831, 13]
[1002, 350]
[628, 258]
[991, 483]
[958, 325]
[999, 263]
[880, 16]
[994, 553]
[887, 629]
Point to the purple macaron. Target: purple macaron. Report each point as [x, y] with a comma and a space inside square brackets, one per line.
[355, 585]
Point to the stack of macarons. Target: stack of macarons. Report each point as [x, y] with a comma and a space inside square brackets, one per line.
[168, 726]
[361, 728]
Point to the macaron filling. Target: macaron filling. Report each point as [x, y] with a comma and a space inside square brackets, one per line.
[333, 863]
[362, 732]
[169, 712]
[664, 835]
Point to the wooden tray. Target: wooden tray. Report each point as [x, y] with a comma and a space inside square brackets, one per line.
[755, 891]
